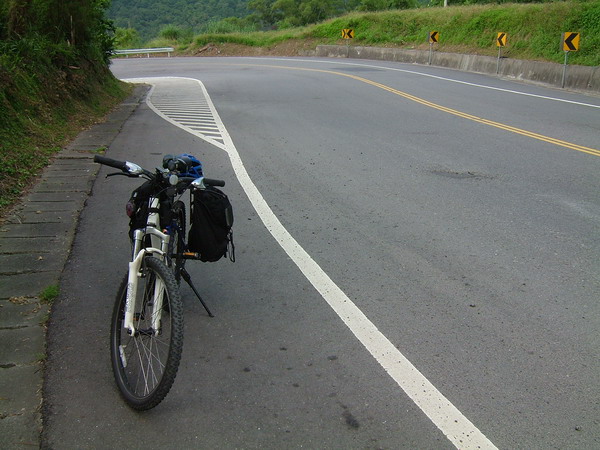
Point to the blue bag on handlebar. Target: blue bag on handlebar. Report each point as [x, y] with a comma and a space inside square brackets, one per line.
[187, 165]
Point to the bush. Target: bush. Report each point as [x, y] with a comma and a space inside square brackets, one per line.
[230, 25]
[382, 5]
[127, 38]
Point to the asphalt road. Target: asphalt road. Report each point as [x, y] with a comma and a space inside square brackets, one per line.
[458, 213]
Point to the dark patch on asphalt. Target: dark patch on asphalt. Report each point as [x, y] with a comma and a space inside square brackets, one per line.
[350, 419]
[460, 175]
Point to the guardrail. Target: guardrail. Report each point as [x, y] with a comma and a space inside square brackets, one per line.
[141, 51]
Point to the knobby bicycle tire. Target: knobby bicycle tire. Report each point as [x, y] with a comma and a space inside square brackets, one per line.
[145, 365]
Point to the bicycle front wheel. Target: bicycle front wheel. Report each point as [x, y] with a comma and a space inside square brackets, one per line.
[145, 362]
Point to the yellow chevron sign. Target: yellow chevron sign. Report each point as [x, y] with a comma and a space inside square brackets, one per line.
[501, 41]
[433, 36]
[348, 33]
[570, 41]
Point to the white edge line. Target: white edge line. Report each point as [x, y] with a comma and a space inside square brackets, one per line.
[449, 420]
[482, 86]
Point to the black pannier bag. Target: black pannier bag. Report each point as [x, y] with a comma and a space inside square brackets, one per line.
[211, 219]
[137, 207]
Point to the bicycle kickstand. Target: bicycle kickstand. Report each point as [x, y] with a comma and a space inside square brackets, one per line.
[186, 276]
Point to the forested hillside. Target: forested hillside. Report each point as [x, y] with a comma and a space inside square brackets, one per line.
[147, 17]
[140, 21]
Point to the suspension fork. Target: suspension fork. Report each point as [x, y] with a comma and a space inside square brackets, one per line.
[135, 272]
[132, 283]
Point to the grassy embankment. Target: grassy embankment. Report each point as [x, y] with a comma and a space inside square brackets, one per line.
[534, 31]
[42, 107]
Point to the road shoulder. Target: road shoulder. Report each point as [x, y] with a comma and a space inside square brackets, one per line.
[35, 243]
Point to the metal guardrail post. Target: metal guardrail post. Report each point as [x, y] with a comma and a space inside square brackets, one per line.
[146, 51]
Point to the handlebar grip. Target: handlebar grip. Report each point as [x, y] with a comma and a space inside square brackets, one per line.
[213, 182]
[122, 165]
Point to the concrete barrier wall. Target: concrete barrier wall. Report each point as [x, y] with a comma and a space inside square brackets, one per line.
[581, 78]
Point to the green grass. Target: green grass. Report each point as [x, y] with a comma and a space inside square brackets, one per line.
[534, 30]
[49, 294]
[42, 108]
[252, 39]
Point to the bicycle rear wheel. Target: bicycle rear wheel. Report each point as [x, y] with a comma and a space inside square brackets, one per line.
[145, 364]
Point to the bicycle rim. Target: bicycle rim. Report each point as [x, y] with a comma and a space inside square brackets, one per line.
[145, 364]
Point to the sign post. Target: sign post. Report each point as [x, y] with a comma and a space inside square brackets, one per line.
[433, 38]
[347, 34]
[500, 42]
[570, 43]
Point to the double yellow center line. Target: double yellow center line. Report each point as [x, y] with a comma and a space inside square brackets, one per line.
[491, 123]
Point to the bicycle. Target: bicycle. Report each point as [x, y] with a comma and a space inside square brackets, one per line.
[146, 337]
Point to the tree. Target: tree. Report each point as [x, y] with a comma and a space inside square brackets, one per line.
[78, 27]
[18, 15]
[263, 13]
[313, 11]
[379, 5]
[292, 13]
[286, 12]
[126, 38]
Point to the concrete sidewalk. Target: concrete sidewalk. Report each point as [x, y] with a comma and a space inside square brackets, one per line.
[35, 242]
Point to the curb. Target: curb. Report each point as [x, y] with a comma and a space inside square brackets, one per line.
[578, 78]
[35, 243]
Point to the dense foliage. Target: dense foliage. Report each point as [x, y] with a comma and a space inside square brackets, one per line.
[54, 57]
[72, 28]
[148, 17]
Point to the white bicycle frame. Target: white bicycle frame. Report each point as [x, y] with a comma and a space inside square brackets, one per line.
[157, 238]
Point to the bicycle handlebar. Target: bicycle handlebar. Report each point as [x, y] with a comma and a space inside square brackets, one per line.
[121, 165]
[127, 168]
[213, 182]
[205, 181]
